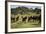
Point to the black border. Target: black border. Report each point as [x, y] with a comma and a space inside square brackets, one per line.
[6, 30]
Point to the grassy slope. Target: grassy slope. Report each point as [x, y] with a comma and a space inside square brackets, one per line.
[24, 24]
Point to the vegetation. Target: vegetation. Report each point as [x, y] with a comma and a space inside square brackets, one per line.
[24, 11]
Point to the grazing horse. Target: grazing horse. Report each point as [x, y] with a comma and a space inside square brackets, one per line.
[24, 19]
[39, 18]
[12, 19]
[34, 18]
[29, 18]
[17, 18]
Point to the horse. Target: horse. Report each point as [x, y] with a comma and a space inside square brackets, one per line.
[12, 19]
[36, 18]
[17, 18]
[29, 18]
[24, 19]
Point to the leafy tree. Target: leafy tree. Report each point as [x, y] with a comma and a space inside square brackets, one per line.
[25, 10]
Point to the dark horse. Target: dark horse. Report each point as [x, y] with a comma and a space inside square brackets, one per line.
[12, 19]
[24, 19]
[34, 17]
[17, 18]
[29, 18]
[37, 18]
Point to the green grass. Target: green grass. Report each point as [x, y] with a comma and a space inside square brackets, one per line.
[25, 24]
[32, 14]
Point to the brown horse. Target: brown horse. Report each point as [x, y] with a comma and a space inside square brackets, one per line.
[17, 18]
[24, 19]
[29, 18]
[12, 19]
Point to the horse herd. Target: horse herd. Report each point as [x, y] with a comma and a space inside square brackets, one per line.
[29, 18]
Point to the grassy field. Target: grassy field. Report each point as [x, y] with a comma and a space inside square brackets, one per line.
[30, 24]
[25, 24]
[32, 16]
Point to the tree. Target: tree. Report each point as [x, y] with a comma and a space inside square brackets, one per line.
[38, 11]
